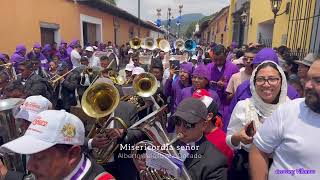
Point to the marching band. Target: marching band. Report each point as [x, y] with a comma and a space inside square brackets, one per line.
[150, 110]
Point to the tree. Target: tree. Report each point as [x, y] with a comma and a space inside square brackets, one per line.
[190, 29]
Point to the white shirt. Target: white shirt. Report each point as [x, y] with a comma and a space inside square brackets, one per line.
[292, 134]
[242, 114]
[75, 58]
[94, 61]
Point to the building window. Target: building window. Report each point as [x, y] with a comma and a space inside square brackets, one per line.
[49, 33]
[91, 29]
[131, 32]
[221, 39]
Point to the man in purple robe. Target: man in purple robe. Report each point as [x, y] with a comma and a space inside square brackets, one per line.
[221, 71]
[71, 45]
[174, 86]
[243, 91]
[36, 54]
[63, 55]
[18, 56]
[46, 51]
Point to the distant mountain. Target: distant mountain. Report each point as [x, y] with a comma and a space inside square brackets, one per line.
[187, 19]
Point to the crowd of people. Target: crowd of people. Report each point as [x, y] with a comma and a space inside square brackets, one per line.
[252, 112]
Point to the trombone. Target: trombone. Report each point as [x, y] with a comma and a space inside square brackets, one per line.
[54, 81]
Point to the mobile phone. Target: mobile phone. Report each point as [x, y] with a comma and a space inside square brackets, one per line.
[250, 129]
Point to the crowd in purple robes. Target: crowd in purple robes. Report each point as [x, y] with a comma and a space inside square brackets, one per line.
[224, 75]
[18, 56]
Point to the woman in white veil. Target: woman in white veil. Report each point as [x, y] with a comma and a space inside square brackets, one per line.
[268, 86]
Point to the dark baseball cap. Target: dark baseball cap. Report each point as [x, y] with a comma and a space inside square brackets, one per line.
[191, 110]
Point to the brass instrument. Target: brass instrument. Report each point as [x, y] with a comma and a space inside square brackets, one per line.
[10, 70]
[164, 45]
[190, 45]
[115, 78]
[150, 43]
[98, 101]
[153, 126]
[55, 80]
[135, 43]
[145, 84]
[9, 132]
[179, 44]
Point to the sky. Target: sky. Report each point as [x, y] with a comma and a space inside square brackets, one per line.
[148, 7]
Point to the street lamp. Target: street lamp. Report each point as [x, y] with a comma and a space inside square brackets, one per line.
[244, 17]
[180, 11]
[275, 7]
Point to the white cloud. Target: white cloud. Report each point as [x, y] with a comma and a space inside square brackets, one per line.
[148, 7]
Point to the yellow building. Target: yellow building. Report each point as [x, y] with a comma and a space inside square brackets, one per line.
[219, 27]
[215, 29]
[48, 21]
[297, 24]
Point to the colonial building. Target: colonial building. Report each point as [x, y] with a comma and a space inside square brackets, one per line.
[49, 21]
[215, 29]
[296, 24]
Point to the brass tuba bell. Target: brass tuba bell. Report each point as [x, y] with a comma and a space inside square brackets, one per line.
[145, 84]
[135, 43]
[98, 101]
[179, 44]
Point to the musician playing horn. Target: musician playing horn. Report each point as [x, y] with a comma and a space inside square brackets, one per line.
[54, 141]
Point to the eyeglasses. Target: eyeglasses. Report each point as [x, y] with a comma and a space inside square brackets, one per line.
[198, 78]
[178, 122]
[271, 81]
[245, 58]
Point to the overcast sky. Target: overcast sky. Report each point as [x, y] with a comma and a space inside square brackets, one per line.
[148, 7]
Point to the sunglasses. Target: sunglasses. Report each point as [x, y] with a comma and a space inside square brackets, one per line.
[180, 122]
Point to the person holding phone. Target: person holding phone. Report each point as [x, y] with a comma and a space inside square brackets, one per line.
[268, 86]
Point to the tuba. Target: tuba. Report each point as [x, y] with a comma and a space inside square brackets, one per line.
[190, 45]
[153, 126]
[164, 45]
[98, 101]
[150, 43]
[135, 43]
[179, 44]
[145, 84]
[9, 131]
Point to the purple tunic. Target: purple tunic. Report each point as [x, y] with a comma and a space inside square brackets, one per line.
[70, 47]
[243, 92]
[64, 57]
[17, 56]
[41, 57]
[173, 89]
[225, 74]
[188, 91]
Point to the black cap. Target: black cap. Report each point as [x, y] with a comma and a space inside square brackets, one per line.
[191, 110]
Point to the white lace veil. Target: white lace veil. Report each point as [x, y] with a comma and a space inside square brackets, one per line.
[264, 109]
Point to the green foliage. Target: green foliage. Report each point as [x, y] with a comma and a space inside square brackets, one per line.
[190, 29]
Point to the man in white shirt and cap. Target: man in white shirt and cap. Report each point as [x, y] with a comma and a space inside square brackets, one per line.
[53, 141]
[93, 60]
[75, 55]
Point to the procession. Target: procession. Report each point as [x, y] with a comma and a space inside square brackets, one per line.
[232, 95]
